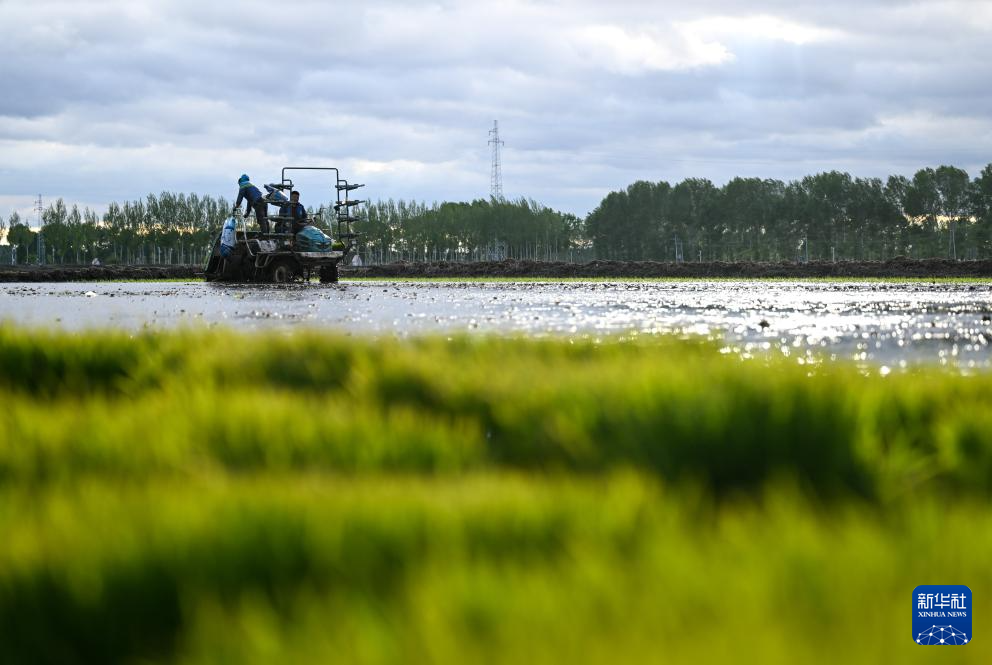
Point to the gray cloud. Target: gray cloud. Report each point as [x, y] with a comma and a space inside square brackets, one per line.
[113, 99]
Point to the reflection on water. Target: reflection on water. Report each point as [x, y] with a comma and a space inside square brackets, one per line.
[885, 325]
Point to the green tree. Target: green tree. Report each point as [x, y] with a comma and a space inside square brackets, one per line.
[923, 208]
[981, 210]
[22, 237]
[955, 194]
[694, 210]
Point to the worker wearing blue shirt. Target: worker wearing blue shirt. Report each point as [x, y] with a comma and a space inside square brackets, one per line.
[253, 197]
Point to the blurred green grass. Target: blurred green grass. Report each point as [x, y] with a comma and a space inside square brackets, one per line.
[213, 497]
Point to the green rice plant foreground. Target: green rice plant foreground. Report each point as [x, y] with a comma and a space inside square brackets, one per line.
[213, 497]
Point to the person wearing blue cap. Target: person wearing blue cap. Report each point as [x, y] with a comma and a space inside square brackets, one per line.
[253, 197]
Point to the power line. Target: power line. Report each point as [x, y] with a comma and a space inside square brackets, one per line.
[496, 179]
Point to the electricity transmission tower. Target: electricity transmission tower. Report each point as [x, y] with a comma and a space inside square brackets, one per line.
[496, 181]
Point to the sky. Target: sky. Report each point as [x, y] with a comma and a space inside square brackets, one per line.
[111, 100]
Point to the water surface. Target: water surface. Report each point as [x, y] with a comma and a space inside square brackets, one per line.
[886, 324]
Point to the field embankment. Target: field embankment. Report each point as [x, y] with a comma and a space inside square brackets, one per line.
[633, 269]
[550, 269]
[67, 273]
[203, 497]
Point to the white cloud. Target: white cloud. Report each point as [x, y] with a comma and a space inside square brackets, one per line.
[758, 28]
[635, 52]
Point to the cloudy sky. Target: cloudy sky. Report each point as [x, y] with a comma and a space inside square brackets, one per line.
[110, 100]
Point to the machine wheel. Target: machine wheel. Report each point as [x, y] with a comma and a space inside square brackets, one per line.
[329, 274]
[283, 270]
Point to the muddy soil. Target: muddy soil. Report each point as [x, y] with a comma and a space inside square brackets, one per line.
[898, 267]
[95, 273]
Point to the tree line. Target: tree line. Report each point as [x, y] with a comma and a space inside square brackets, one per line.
[479, 230]
[181, 229]
[938, 213]
[165, 229]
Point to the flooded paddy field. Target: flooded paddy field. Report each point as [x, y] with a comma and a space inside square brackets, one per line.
[885, 324]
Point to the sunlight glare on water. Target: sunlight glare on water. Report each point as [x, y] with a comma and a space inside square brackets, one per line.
[884, 324]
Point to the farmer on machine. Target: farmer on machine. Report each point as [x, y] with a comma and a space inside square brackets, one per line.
[253, 197]
[295, 210]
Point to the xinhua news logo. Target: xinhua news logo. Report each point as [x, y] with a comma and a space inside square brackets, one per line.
[942, 614]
